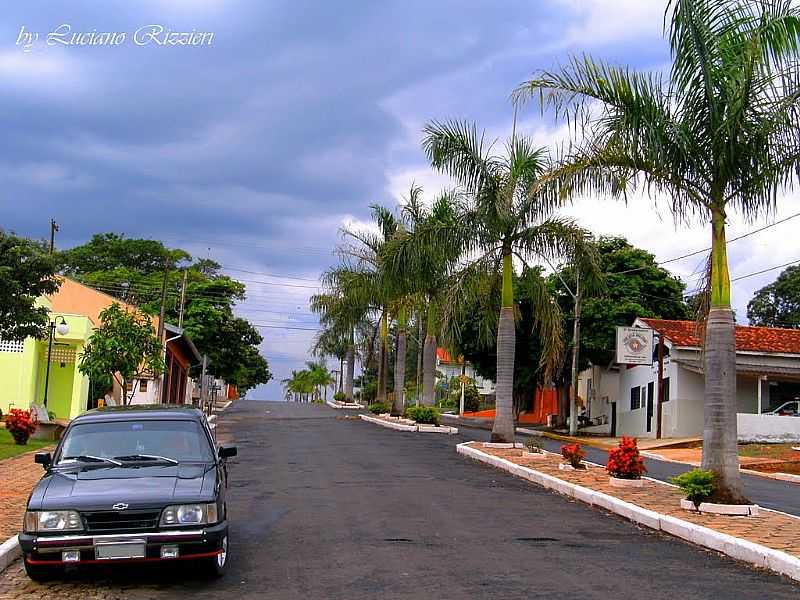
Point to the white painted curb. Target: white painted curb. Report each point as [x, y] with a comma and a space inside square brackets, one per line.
[340, 405]
[9, 552]
[404, 427]
[755, 554]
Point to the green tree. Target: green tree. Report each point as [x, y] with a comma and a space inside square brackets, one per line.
[27, 271]
[777, 304]
[133, 270]
[720, 135]
[501, 220]
[124, 347]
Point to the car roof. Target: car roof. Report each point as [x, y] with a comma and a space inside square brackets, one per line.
[141, 411]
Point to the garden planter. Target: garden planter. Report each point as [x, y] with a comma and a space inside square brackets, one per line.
[534, 455]
[625, 483]
[569, 467]
[735, 510]
[502, 445]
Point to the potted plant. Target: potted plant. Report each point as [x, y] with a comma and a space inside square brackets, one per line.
[533, 448]
[423, 415]
[20, 424]
[625, 466]
[697, 484]
[574, 455]
[340, 397]
[378, 408]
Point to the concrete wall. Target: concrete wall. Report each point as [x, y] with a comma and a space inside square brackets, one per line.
[768, 428]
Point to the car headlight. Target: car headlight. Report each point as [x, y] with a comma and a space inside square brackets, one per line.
[52, 520]
[189, 514]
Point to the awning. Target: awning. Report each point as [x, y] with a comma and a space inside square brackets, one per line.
[746, 368]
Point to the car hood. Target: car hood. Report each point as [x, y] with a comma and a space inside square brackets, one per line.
[99, 488]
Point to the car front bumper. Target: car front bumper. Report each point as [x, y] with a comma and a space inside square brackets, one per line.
[192, 543]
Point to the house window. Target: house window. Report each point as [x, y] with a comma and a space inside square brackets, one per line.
[636, 398]
[143, 385]
[129, 386]
[665, 397]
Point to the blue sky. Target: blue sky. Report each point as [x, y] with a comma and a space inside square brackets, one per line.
[256, 149]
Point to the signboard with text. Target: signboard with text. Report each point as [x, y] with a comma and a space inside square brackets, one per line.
[634, 346]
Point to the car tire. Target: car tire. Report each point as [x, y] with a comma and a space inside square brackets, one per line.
[40, 572]
[218, 565]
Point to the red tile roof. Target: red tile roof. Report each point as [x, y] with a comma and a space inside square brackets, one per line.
[748, 339]
[444, 356]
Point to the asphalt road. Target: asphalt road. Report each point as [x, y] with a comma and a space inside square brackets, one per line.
[769, 493]
[326, 507]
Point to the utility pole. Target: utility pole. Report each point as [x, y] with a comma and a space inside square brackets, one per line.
[463, 385]
[183, 299]
[53, 229]
[661, 383]
[420, 344]
[161, 336]
[203, 385]
[576, 340]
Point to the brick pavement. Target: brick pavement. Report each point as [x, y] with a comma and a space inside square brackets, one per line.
[771, 529]
[18, 475]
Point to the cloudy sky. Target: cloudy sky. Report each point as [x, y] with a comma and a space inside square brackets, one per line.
[254, 149]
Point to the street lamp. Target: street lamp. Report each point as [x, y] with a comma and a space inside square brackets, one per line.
[63, 329]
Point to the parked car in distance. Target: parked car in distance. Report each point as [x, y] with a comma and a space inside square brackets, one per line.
[129, 484]
[791, 409]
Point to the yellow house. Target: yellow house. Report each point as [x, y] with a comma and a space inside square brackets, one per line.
[24, 375]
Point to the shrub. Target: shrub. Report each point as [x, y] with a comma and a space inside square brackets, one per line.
[20, 424]
[697, 484]
[340, 397]
[574, 454]
[378, 408]
[624, 461]
[534, 444]
[472, 399]
[423, 414]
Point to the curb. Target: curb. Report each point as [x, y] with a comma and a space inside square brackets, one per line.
[737, 548]
[785, 477]
[413, 428]
[9, 552]
[341, 406]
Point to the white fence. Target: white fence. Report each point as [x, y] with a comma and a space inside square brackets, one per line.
[768, 428]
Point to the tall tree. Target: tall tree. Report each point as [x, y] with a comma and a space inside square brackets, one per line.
[777, 304]
[720, 135]
[27, 271]
[500, 220]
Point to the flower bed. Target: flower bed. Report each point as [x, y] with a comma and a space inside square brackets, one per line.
[769, 539]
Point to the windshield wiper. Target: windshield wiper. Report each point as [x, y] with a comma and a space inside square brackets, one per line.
[135, 457]
[90, 458]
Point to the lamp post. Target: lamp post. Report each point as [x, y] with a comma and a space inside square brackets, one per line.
[63, 329]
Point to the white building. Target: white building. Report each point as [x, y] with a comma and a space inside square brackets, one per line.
[450, 367]
[622, 399]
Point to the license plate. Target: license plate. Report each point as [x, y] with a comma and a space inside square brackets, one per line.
[115, 550]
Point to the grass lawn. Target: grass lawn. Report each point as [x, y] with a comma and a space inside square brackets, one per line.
[9, 448]
[776, 451]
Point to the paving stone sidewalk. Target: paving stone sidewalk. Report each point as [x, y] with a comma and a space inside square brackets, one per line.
[772, 529]
[18, 475]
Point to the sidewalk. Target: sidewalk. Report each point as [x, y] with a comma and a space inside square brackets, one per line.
[772, 530]
[18, 475]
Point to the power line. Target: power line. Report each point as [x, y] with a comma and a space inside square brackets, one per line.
[766, 270]
[696, 252]
[298, 278]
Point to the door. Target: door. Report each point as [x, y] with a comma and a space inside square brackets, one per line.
[650, 394]
[613, 419]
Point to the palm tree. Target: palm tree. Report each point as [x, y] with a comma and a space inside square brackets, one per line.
[496, 221]
[423, 279]
[720, 135]
[320, 377]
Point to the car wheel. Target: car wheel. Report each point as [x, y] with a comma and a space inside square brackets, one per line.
[219, 564]
[40, 572]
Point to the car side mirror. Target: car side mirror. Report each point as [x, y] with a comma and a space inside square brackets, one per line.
[227, 451]
[43, 458]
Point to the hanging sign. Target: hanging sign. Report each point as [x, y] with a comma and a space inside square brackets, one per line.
[634, 346]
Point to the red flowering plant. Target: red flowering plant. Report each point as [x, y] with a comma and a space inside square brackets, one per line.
[574, 454]
[624, 461]
[21, 424]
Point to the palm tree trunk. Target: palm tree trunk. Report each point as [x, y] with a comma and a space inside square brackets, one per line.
[429, 360]
[341, 374]
[420, 342]
[383, 371]
[398, 403]
[720, 449]
[503, 429]
[351, 360]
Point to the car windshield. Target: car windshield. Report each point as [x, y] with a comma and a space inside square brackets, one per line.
[145, 441]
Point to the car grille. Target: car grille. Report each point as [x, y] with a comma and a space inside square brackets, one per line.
[121, 521]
